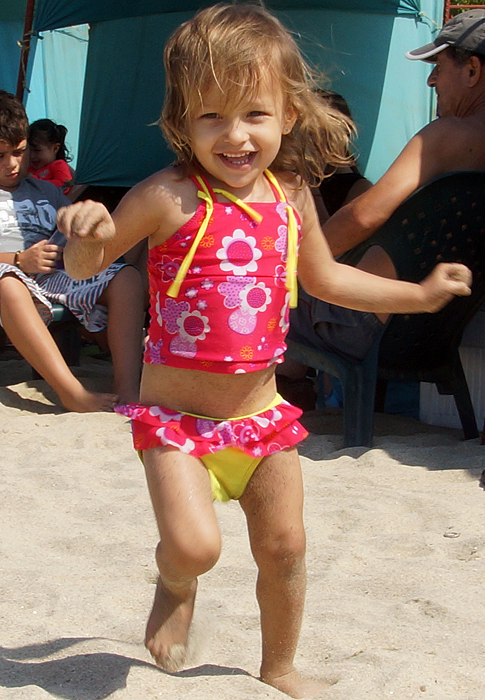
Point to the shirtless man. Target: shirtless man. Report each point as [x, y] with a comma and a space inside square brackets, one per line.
[455, 141]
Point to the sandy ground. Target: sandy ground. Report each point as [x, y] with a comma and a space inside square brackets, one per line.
[396, 563]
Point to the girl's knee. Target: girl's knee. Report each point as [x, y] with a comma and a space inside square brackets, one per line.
[187, 558]
[284, 550]
[10, 284]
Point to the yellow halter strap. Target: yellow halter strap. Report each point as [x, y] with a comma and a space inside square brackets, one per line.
[204, 194]
[292, 244]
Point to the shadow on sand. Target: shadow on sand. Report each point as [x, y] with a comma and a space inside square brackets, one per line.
[85, 676]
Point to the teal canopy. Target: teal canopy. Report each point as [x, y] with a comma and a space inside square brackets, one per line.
[358, 44]
[12, 10]
[56, 69]
[361, 53]
[51, 14]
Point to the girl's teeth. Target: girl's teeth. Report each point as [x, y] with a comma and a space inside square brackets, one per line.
[240, 159]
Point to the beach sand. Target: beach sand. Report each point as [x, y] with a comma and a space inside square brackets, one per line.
[396, 563]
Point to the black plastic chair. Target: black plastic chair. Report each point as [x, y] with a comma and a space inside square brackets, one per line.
[444, 221]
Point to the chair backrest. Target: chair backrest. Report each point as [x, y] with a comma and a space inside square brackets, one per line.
[444, 221]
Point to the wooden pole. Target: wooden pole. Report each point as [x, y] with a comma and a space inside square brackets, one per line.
[446, 11]
[25, 49]
[450, 5]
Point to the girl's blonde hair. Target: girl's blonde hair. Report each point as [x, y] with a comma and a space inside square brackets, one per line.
[236, 47]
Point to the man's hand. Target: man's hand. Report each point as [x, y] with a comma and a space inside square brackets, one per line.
[87, 220]
[444, 282]
[40, 257]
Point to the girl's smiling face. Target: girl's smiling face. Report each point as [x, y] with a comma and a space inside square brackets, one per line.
[41, 153]
[236, 141]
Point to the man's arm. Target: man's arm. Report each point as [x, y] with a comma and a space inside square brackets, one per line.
[430, 153]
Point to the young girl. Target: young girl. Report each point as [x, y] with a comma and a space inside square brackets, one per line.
[224, 226]
[48, 153]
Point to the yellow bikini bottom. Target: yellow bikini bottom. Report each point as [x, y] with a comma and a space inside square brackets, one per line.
[230, 449]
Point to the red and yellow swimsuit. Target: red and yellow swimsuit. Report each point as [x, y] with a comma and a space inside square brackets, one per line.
[220, 292]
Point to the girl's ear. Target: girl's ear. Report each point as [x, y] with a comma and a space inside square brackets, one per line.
[289, 121]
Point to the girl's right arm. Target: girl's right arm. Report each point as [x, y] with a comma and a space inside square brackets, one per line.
[324, 278]
[96, 239]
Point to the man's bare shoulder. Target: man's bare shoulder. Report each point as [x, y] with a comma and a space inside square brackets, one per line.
[457, 143]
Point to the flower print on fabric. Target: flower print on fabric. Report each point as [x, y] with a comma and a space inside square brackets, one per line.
[247, 219]
[169, 436]
[239, 253]
[189, 326]
[168, 267]
[275, 429]
[230, 312]
[247, 298]
[165, 414]
[254, 298]
[193, 326]
[280, 276]
[155, 352]
[285, 314]
[282, 242]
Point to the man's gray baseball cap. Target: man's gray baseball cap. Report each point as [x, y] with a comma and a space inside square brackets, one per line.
[466, 31]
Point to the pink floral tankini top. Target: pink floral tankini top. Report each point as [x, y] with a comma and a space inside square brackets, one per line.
[221, 286]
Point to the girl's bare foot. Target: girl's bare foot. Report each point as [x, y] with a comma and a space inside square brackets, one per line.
[297, 686]
[168, 626]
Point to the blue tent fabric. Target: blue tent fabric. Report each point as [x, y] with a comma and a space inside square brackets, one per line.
[10, 34]
[362, 54]
[56, 79]
[51, 14]
[359, 44]
[55, 75]
[13, 11]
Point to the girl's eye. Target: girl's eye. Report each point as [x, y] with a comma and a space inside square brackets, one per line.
[210, 115]
[256, 113]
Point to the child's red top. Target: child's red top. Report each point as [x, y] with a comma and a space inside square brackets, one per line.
[57, 172]
[227, 310]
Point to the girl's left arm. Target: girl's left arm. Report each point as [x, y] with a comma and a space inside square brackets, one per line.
[322, 277]
[96, 239]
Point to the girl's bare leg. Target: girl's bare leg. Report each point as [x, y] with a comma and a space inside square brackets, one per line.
[30, 336]
[190, 545]
[123, 298]
[273, 504]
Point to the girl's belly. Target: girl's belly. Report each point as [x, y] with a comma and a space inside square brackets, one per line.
[205, 393]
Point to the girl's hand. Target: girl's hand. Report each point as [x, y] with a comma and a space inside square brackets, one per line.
[444, 282]
[87, 220]
[40, 257]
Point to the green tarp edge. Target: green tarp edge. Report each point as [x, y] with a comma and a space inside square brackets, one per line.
[52, 14]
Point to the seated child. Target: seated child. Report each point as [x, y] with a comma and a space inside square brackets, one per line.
[48, 153]
[30, 252]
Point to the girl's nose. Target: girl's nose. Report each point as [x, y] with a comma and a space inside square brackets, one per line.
[235, 132]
